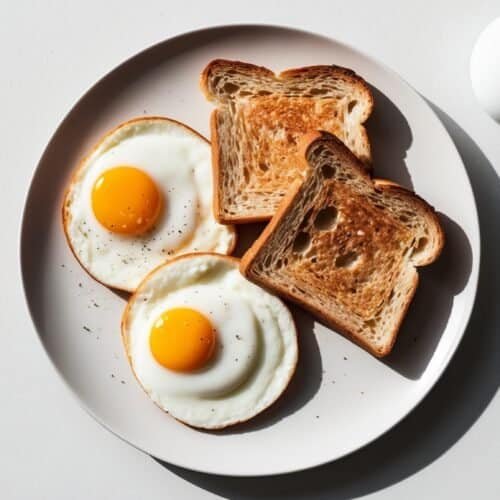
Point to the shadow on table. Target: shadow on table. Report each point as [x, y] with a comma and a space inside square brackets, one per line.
[467, 386]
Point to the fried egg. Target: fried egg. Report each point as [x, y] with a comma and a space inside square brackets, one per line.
[208, 346]
[142, 196]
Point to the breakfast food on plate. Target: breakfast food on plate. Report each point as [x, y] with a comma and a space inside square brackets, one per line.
[142, 214]
[208, 346]
[259, 120]
[345, 246]
[141, 197]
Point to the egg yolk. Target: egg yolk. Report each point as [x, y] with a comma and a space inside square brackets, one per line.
[126, 200]
[182, 339]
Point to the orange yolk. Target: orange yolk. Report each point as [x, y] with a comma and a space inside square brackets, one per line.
[182, 340]
[126, 200]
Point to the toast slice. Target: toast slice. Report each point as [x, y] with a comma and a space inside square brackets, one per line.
[345, 246]
[259, 120]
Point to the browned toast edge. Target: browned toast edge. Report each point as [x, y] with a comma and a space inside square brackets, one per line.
[251, 254]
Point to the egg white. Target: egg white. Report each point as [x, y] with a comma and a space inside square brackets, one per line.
[256, 350]
[178, 160]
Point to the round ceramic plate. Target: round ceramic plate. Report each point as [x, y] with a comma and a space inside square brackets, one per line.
[341, 398]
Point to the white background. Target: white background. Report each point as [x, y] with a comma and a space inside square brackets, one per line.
[50, 53]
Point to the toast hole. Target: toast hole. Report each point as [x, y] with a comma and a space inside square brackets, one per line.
[230, 88]
[290, 139]
[263, 166]
[371, 323]
[381, 207]
[244, 93]
[328, 171]
[279, 264]
[326, 218]
[403, 219]
[351, 105]
[216, 80]
[420, 245]
[264, 92]
[347, 260]
[301, 242]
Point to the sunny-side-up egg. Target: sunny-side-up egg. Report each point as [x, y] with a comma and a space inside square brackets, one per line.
[208, 346]
[141, 197]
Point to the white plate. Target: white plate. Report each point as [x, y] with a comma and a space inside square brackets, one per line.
[341, 398]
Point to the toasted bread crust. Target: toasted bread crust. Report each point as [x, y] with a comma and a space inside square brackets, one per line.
[393, 187]
[65, 216]
[239, 213]
[124, 325]
[223, 65]
[293, 197]
[336, 71]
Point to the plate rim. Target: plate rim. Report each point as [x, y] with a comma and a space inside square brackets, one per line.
[472, 282]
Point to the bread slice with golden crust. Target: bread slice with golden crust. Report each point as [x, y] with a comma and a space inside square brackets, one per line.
[345, 246]
[259, 120]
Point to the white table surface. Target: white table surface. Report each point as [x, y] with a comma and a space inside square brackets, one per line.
[51, 52]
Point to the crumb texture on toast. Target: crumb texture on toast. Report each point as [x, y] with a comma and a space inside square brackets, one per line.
[260, 119]
[347, 247]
